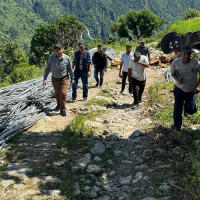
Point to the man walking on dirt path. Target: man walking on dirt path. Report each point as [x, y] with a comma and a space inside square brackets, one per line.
[123, 71]
[185, 71]
[137, 76]
[61, 68]
[100, 65]
[82, 64]
[144, 49]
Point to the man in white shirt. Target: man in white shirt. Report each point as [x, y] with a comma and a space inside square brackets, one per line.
[123, 71]
[137, 76]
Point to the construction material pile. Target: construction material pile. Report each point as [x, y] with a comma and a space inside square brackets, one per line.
[23, 104]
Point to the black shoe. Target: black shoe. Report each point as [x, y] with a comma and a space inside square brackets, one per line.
[63, 113]
[73, 99]
[135, 106]
[97, 84]
[57, 108]
[176, 129]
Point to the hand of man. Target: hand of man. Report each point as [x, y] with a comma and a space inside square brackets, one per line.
[180, 81]
[89, 74]
[72, 83]
[120, 74]
[197, 90]
[44, 83]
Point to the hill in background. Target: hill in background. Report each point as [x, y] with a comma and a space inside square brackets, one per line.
[19, 18]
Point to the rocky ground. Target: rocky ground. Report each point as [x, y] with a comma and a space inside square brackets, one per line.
[127, 159]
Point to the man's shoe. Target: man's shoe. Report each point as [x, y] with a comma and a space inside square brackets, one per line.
[97, 84]
[73, 99]
[57, 108]
[100, 86]
[85, 99]
[135, 106]
[122, 92]
[63, 113]
[176, 129]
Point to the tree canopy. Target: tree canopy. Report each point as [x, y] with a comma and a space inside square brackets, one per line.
[65, 30]
[137, 24]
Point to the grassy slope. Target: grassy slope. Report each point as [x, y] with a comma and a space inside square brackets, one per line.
[183, 27]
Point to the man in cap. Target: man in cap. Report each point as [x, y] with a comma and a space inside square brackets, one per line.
[123, 71]
[144, 49]
[137, 76]
[61, 68]
[82, 64]
[100, 65]
[185, 71]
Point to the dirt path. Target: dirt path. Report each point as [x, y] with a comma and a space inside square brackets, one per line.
[119, 163]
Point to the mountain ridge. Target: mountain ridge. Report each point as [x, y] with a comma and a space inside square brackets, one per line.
[19, 18]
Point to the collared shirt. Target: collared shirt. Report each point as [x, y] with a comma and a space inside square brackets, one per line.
[138, 71]
[100, 60]
[59, 67]
[187, 72]
[126, 59]
[144, 50]
[81, 61]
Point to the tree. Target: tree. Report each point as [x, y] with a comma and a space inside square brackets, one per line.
[14, 64]
[111, 40]
[137, 24]
[192, 13]
[65, 30]
[11, 55]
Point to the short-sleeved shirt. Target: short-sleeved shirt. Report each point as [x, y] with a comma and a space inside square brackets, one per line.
[138, 71]
[188, 73]
[125, 59]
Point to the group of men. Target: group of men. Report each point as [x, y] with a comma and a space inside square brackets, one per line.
[133, 66]
[184, 70]
[63, 70]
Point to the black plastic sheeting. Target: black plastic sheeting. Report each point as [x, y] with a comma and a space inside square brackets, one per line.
[23, 104]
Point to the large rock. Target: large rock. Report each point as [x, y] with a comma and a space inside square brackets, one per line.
[83, 162]
[103, 198]
[125, 180]
[98, 149]
[7, 183]
[136, 134]
[94, 169]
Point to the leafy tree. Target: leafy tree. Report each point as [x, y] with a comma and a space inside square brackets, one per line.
[192, 13]
[94, 43]
[137, 24]
[14, 64]
[65, 30]
[111, 40]
[11, 55]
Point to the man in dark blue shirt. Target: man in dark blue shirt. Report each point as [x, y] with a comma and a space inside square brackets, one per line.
[82, 64]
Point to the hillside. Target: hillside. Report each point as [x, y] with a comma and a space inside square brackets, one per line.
[19, 18]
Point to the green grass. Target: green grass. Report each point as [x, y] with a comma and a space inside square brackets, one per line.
[76, 130]
[122, 48]
[105, 93]
[183, 27]
[97, 102]
[164, 116]
[154, 91]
